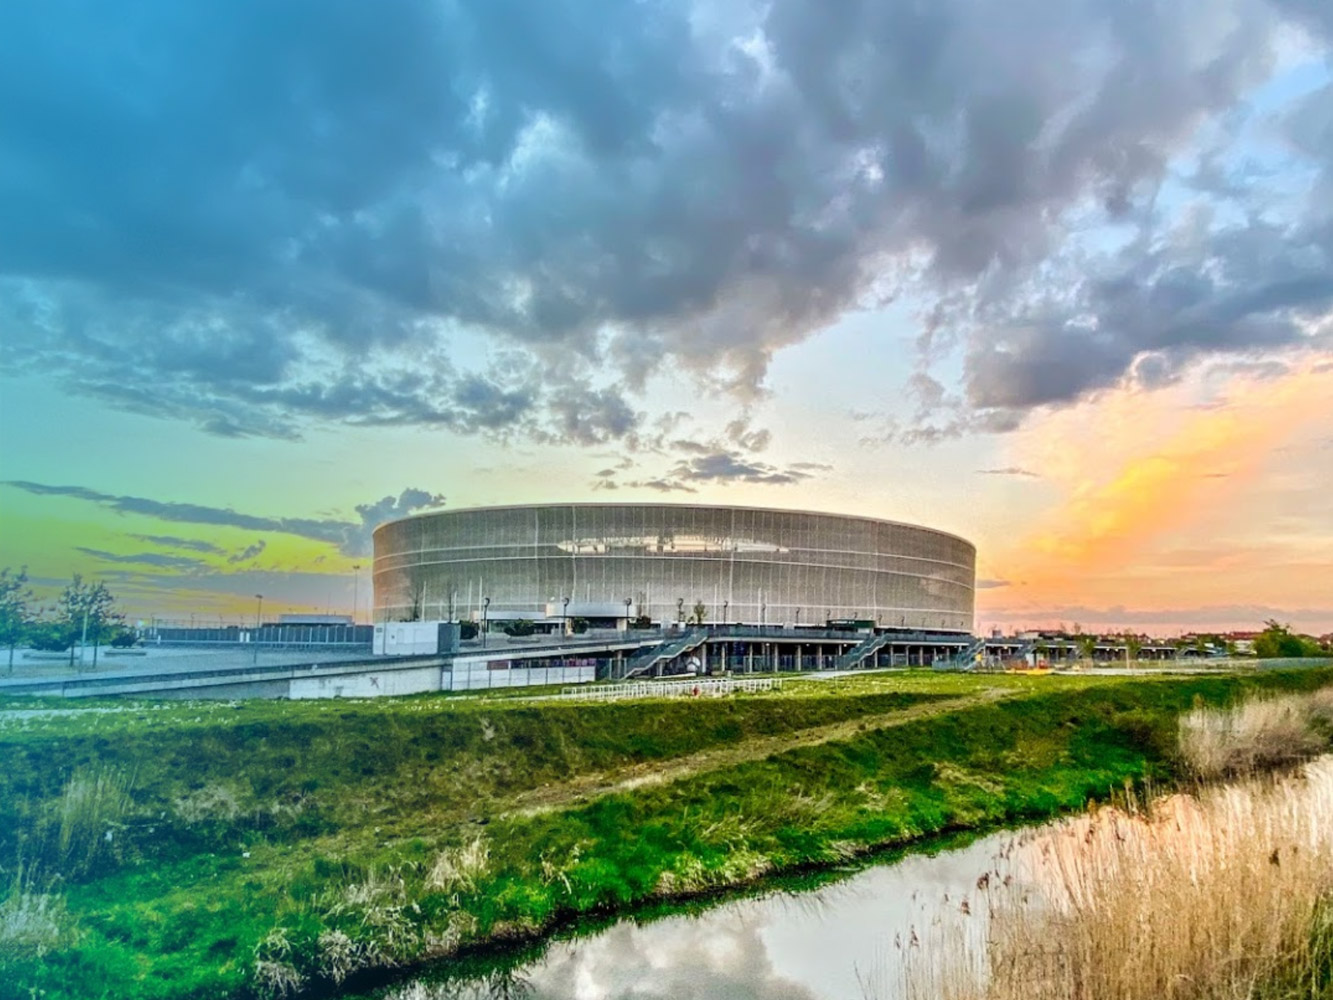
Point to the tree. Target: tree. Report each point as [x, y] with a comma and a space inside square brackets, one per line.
[87, 610]
[416, 598]
[1133, 647]
[15, 609]
[1276, 640]
[700, 611]
[1087, 646]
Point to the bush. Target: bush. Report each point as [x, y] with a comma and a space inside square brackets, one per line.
[467, 630]
[124, 639]
[519, 628]
[578, 625]
[49, 637]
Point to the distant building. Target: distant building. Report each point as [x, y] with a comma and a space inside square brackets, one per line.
[672, 563]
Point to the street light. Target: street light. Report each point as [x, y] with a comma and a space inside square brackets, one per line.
[564, 617]
[628, 602]
[680, 609]
[725, 605]
[485, 614]
[356, 583]
[259, 617]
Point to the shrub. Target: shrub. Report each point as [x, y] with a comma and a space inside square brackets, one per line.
[49, 637]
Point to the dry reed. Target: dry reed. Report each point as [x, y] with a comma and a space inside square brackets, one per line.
[1219, 896]
[1255, 735]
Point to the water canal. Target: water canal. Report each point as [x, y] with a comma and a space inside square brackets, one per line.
[844, 939]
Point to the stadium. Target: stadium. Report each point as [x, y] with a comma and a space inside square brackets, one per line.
[612, 563]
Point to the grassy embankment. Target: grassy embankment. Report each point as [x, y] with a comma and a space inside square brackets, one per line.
[190, 851]
[1221, 893]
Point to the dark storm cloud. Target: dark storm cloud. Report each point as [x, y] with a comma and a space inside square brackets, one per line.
[258, 215]
[352, 537]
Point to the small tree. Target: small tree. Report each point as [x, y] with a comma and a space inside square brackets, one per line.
[1133, 647]
[700, 611]
[15, 609]
[1087, 646]
[87, 610]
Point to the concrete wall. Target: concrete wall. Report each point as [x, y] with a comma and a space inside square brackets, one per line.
[367, 685]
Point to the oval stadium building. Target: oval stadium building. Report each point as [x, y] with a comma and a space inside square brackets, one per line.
[669, 562]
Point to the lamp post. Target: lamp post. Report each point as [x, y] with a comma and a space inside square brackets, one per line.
[259, 618]
[680, 609]
[725, 605]
[628, 602]
[356, 595]
[485, 615]
[564, 617]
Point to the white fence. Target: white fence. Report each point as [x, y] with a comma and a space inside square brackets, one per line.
[702, 688]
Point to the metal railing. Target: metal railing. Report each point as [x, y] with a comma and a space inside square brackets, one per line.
[710, 687]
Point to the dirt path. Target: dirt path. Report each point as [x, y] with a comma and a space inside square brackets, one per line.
[590, 786]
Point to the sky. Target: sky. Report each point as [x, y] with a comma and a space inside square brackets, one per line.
[1056, 277]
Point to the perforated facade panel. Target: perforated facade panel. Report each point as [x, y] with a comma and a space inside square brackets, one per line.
[744, 564]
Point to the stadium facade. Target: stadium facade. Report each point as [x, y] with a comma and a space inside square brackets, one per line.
[666, 562]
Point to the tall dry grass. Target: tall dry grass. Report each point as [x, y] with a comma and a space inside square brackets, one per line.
[1255, 735]
[1220, 896]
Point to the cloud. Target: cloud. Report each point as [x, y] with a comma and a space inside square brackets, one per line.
[155, 559]
[281, 214]
[351, 537]
[731, 467]
[992, 584]
[248, 553]
[1009, 470]
[171, 541]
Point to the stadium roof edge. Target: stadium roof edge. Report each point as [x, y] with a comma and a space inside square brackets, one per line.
[650, 503]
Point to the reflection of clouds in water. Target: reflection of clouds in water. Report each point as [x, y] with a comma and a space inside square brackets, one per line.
[692, 960]
[854, 939]
[506, 985]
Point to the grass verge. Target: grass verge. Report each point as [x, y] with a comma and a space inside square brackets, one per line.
[284, 847]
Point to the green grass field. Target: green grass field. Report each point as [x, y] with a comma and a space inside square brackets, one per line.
[219, 850]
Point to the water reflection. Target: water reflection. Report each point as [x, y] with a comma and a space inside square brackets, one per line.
[851, 939]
